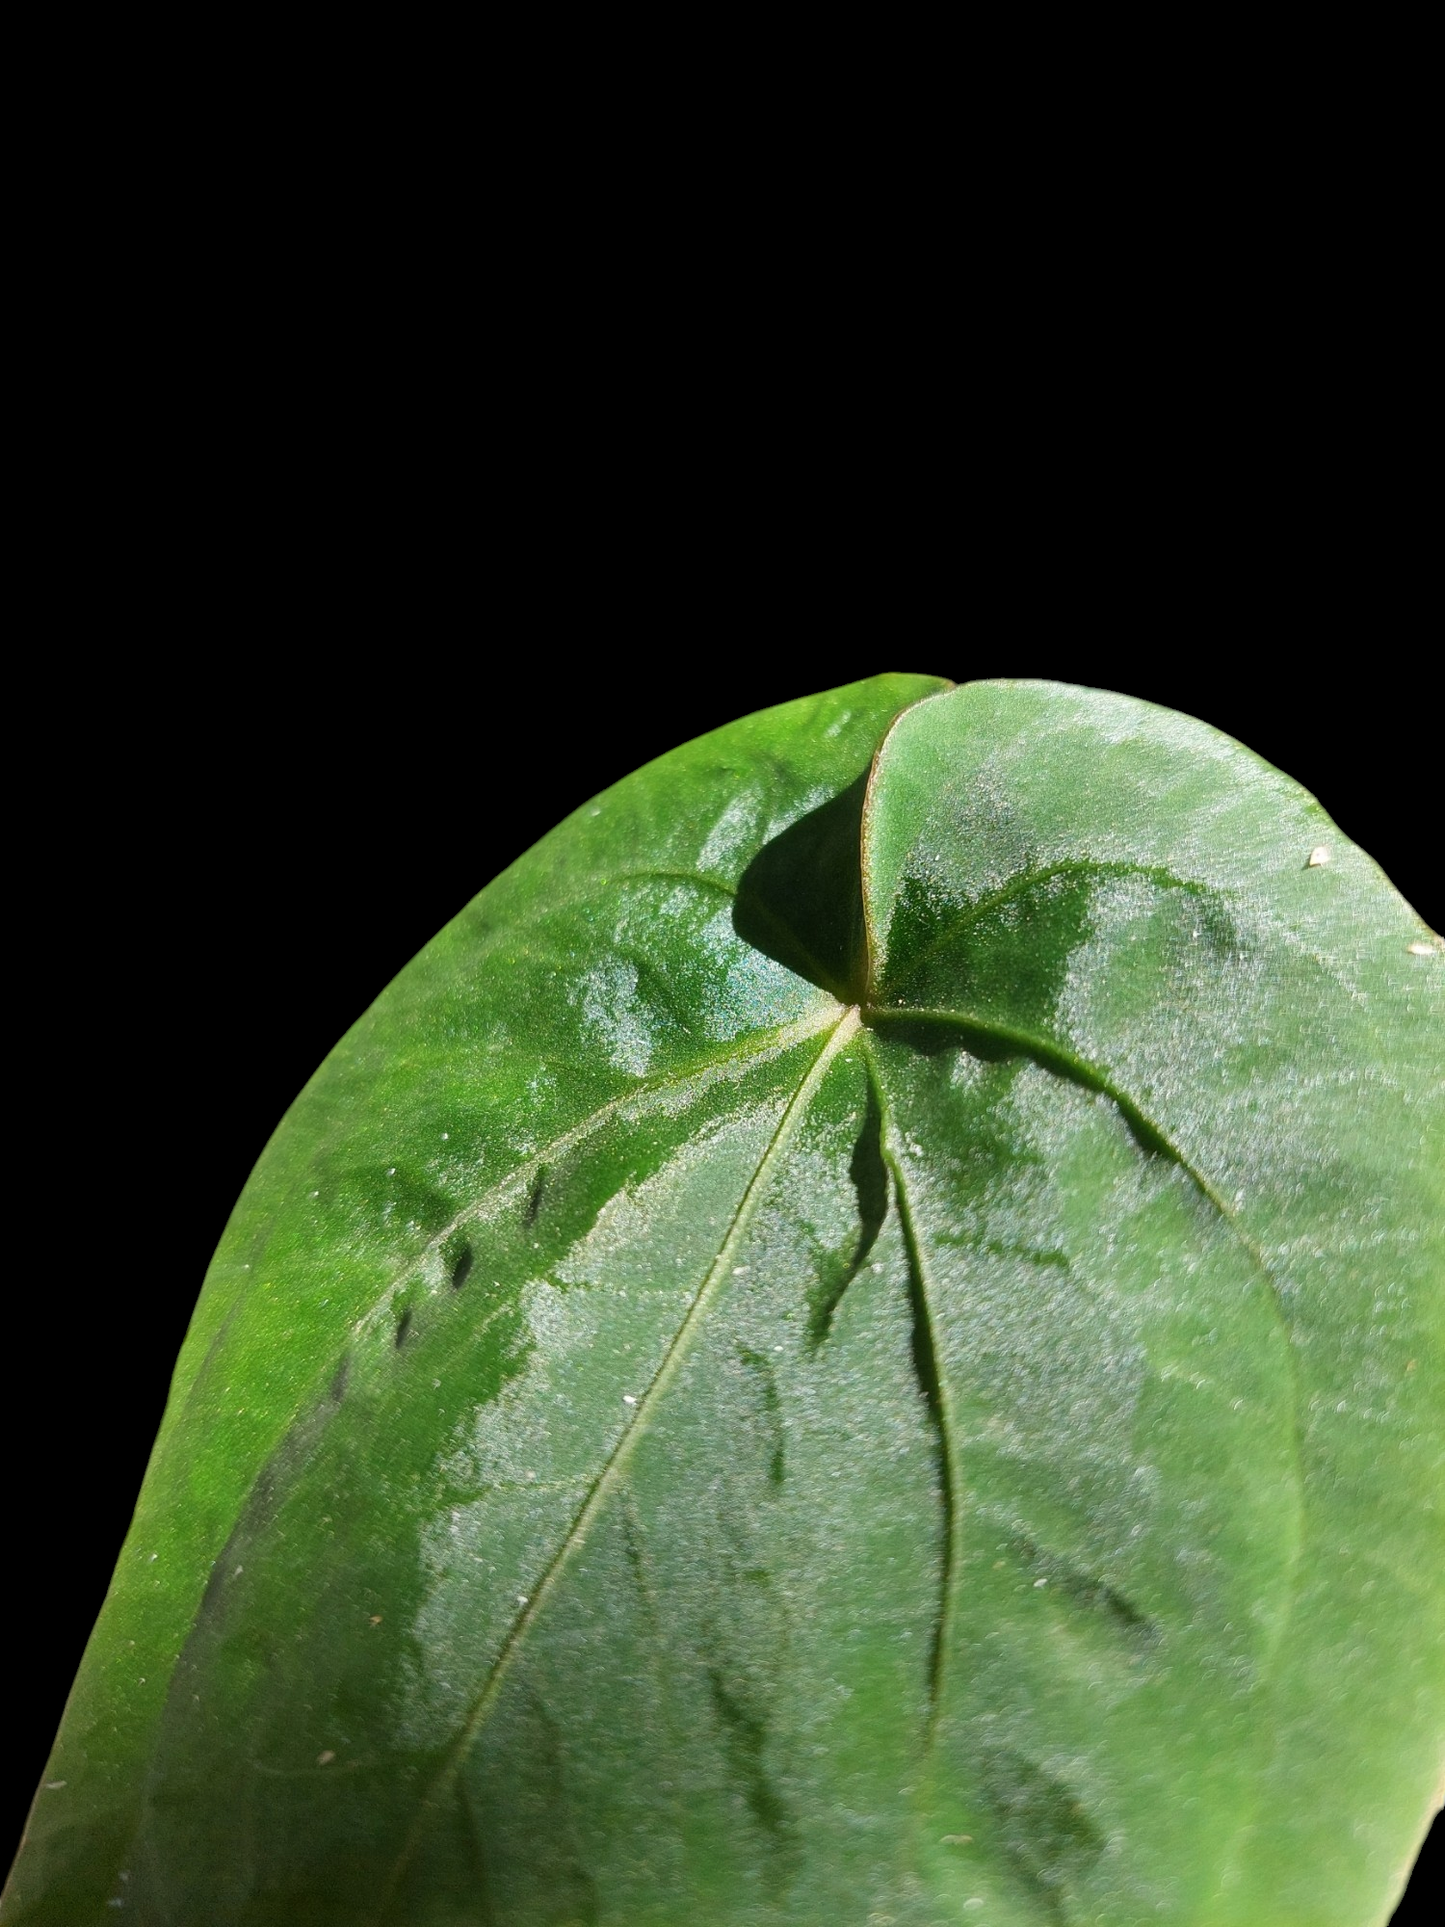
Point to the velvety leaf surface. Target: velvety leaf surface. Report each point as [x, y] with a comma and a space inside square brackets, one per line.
[756, 1386]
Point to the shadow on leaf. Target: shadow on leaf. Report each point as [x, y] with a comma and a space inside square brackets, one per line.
[800, 900]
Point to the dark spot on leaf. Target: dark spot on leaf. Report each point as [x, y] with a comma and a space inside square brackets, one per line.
[461, 1267]
[365, 1198]
[1086, 1591]
[474, 1856]
[745, 1737]
[1044, 1829]
[339, 1378]
[541, 1802]
[403, 1326]
[534, 1198]
[1046, 1256]
[762, 1371]
[869, 1174]
[637, 1562]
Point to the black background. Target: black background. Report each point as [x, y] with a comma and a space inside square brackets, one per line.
[228, 860]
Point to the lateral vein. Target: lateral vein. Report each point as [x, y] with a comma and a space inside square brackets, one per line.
[1064, 1063]
[937, 1392]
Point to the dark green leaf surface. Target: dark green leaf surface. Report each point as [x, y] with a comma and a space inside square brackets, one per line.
[755, 1387]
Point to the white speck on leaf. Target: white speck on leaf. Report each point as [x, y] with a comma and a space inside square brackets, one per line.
[1318, 855]
[325, 1759]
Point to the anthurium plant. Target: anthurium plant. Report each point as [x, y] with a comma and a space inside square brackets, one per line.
[859, 1339]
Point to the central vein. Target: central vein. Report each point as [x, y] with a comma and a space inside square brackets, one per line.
[616, 1463]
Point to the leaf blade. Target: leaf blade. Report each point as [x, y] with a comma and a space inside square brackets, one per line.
[941, 1549]
[440, 1070]
[1294, 1074]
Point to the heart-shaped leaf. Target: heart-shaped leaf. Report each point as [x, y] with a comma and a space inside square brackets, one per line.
[859, 1339]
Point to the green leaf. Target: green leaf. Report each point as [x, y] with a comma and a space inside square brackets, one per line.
[760, 1387]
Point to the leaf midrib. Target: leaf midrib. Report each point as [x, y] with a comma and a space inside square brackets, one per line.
[843, 1029]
